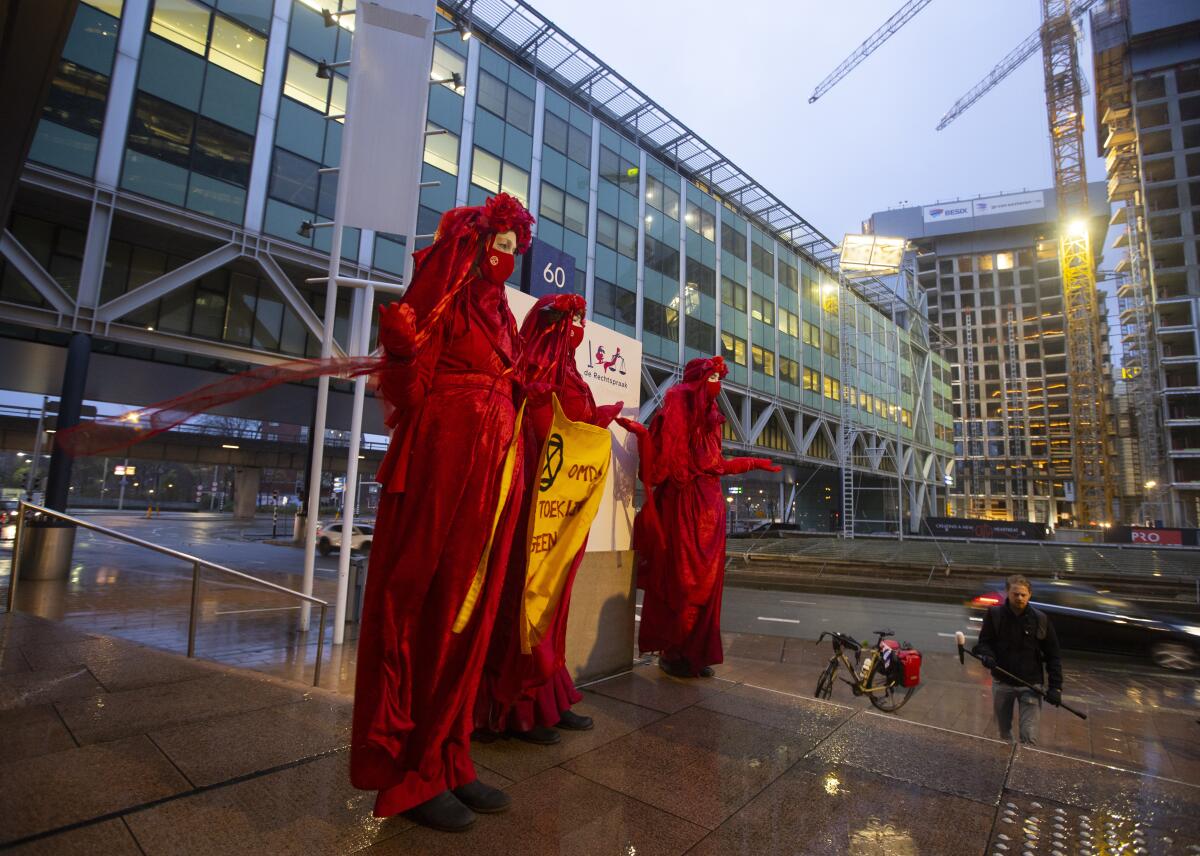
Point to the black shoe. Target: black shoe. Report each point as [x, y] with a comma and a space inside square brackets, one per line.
[675, 668]
[575, 721]
[539, 734]
[706, 672]
[444, 813]
[483, 798]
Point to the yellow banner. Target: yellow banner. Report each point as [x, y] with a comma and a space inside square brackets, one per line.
[510, 461]
[574, 463]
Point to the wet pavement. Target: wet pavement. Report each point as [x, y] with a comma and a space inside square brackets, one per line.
[107, 746]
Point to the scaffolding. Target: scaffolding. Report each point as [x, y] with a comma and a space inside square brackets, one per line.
[1064, 107]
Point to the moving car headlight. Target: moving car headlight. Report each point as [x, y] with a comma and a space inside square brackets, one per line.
[1190, 629]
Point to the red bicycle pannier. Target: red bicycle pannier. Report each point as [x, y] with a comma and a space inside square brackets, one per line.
[910, 666]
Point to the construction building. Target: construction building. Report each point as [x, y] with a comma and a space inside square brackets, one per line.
[1147, 72]
[989, 270]
[185, 144]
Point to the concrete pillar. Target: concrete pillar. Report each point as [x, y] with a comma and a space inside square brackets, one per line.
[58, 482]
[246, 482]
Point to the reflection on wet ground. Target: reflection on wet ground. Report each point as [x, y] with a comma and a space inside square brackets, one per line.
[107, 746]
[110, 745]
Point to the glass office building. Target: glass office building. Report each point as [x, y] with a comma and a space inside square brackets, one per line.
[182, 147]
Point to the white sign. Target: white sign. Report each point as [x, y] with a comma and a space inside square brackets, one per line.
[983, 207]
[1008, 204]
[611, 364]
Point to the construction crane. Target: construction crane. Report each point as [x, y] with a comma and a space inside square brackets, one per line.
[1064, 109]
[889, 28]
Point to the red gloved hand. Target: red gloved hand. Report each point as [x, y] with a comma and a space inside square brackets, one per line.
[766, 464]
[633, 426]
[606, 413]
[538, 393]
[568, 303]
[398, 330]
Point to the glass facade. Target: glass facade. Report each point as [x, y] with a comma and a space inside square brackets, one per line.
[663, 256]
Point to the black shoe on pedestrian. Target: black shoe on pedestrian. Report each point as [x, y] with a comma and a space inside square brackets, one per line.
[706, 672]
[676, 668]
[483, 798]
[445, 813]
[539, 734]
[575, 721]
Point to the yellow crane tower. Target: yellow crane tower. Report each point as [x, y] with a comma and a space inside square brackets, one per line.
[1065, 88]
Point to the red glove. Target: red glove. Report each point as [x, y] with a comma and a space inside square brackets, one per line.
[633, 426]
[569, 303]
[765, 464]
[398, 330]
[538, 393]
[606, 413]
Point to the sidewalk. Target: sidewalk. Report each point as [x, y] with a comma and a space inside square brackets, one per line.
[110, 747]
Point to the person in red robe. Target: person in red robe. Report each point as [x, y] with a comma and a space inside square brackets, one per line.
[679, 533]
[444, 522]
[526, 695]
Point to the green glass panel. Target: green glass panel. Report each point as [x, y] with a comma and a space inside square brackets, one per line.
[92, 40]
[284, 220]
[215, 197]
[445, 108]
[255, 13]
[231, 100]
[152, 177]
[171, 73]
[64, 148]
[300, 130]
[309, 34]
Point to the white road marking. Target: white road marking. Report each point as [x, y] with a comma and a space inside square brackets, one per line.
[801, 602]
[782, 620]
[952, 635]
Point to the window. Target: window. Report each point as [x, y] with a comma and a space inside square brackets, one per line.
[831, 344]
[606, 230]
[789, 370]
[441, 150]
[490, 93]
[789, 277]
[302, 84]
[789, 323]
[762, 309]
[662, 258]
[812, 334]
[733, 241]
[733, 349]
[238, 49]
[627, 239]
[812, 380]
[294, 180]
[700, 335]
[660, 320]
[182, 22]
[701, 277]
[579, 146]
[701, 222]
[832, 388]
[615, 302]
[662, 197]
[485, 170]
[552, 203]
[575, 214]
[446, 64]
[554, 132]
[763, 360]
[763, 259]
[732, 294]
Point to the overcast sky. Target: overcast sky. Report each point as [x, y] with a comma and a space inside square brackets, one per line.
[739, 74]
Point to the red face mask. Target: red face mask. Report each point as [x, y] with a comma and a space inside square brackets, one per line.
[576, 335]
[497, 265]
[713, 386]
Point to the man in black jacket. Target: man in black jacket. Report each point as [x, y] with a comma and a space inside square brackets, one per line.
[1021, 640]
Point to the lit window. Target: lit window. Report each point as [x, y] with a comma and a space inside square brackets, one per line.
[109, 7]
[301, 83]
[183, 22]
[1004, 261]
[516, 183]
[485, 170]
[238, 49]
[441, 150]
[446, 63]
[833, 389]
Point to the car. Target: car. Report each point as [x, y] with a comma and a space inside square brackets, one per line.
[329, 537]
[1087, 619]
[8, 518]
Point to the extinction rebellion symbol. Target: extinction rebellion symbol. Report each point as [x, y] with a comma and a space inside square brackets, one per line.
[553, 462]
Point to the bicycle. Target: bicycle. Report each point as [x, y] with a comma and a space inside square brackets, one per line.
[878, 684]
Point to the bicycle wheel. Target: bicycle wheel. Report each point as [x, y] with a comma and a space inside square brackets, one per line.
[892, 698]
[825, 682]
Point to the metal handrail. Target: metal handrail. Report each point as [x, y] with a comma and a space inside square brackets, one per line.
[197, 564]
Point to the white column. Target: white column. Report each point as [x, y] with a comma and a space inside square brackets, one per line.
[121, 88]
[589, 290]
[535, 170]
[268, 112]
[717, 274]
[682, 269]
[641, 247]
[468, 127]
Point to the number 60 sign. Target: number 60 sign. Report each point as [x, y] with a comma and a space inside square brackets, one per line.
[547, 270]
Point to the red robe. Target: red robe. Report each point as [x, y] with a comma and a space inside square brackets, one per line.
[416, 678]
[680, 532]
[520, 691]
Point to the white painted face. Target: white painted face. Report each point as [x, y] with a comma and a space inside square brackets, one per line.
[505, 242]
[715, 377]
